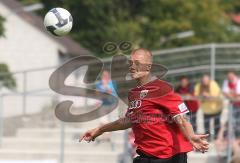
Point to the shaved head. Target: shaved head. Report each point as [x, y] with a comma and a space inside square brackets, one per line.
[140, 63]
[142, 54]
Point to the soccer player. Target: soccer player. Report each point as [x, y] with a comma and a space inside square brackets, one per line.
[157, 117]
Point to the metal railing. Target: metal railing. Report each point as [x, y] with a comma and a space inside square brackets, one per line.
[193, 61]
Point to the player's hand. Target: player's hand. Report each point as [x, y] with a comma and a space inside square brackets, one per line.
[200, 143]
[91, 135]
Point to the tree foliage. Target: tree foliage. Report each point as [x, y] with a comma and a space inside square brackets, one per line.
[29, 2]
[147, 22]
[6, 78]
[1, 25]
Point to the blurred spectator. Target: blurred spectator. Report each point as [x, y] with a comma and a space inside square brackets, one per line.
[210, 102]
[222, 140]
[186, 90]
[231, 90]
[106, 85]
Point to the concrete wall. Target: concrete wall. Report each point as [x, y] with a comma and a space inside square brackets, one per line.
[25, 47]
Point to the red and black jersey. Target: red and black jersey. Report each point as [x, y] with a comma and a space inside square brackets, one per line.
[151, 110]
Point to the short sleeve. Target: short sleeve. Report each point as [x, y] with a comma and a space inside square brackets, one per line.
[214, 89]
[172, 104]
[225, 87]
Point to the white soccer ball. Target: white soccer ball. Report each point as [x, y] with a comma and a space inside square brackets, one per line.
[58, 21]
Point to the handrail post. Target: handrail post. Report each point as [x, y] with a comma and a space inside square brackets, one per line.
[231, 136]
[213, 61]
[24, 92]
[62, 143]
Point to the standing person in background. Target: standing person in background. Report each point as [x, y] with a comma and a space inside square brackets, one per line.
[186, 90]
[210, 94]
[106, 85]
[231, 90]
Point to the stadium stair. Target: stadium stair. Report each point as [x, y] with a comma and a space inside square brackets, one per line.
[43, 143]
[39, 138]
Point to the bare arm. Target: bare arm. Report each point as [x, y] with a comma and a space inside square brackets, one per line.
[120, 124]
[198, 141]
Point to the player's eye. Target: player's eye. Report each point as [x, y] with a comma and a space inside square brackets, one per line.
[137, 63]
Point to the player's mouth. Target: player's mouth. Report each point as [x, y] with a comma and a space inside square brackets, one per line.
[133, 71]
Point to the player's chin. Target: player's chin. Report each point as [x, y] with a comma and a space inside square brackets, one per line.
[138, 75]
[134, 75]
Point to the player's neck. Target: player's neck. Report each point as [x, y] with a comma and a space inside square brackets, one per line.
[143, 80]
